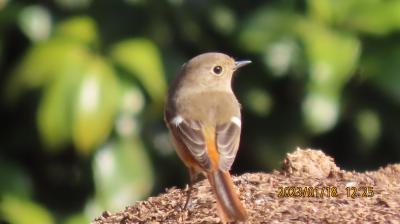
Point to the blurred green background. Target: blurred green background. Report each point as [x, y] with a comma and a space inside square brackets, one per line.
[83, 84]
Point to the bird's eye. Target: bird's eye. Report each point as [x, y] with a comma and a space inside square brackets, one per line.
[217, 70]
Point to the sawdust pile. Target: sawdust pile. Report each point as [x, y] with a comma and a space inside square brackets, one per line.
[309, 188]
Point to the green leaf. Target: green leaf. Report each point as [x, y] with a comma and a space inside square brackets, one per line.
[321, 10]
[95, 105]
[123, 174]
[142, 58]
[368, 16]
[46, 61]
[23, 211]
[373, 17]
[55, 108]
[42, 64]
[266, 26]
[332, 58]
[82, 30]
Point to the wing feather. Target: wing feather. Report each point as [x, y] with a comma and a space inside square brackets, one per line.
[190, 132]
[228, 138]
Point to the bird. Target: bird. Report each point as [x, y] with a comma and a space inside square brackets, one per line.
[203, 116]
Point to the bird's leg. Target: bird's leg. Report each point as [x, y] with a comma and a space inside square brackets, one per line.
[192, 179]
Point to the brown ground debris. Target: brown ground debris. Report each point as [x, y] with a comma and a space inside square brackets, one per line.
[292, 195]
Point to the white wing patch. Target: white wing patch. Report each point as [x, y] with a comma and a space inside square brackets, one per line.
[237, 121]
[177, 120]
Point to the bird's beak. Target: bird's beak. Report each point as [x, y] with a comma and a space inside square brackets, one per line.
[239, 64]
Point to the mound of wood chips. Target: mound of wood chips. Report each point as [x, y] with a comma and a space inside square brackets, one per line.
[291, 195]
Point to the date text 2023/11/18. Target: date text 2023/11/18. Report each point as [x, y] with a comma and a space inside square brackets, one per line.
[325, 191]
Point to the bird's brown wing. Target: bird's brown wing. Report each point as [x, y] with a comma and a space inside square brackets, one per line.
[227, 138]
[191, 134]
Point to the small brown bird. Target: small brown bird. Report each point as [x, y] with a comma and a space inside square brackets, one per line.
[203, 116]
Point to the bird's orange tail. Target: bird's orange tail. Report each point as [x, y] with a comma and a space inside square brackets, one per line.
[229, 205]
